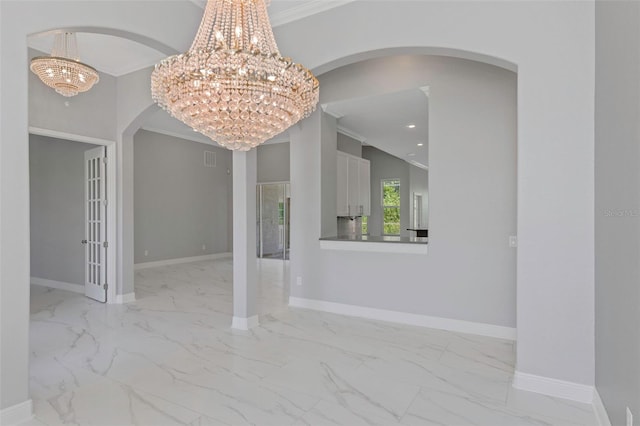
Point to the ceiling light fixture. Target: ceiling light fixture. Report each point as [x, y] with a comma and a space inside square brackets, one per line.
[233, 85]
[411, 126]
[63, 70]
[420, 144]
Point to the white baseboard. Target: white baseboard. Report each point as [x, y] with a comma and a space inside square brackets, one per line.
[240, 323]
[553, 387]
[406, 318]
[76, 288]
[601, 412]
[124, 298]
[167, 262]
[16, 414]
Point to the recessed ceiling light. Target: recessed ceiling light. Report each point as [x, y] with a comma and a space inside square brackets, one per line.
[420, 144]
[411, 126]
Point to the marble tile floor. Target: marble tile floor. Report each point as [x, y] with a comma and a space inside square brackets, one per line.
[170, 358]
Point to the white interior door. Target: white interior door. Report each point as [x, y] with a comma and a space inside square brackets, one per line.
[95, 242]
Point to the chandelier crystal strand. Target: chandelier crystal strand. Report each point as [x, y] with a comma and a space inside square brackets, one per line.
[63, 70]
[233, 85]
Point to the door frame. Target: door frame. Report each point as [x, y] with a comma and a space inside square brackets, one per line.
[111, 223]
[259, 215]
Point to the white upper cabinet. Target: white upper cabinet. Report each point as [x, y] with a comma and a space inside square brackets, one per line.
[354, 187]
[365, 187]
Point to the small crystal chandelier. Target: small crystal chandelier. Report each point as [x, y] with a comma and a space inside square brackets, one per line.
[233, 85]
[63, 70]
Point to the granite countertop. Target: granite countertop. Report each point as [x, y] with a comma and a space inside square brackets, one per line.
[383, 239]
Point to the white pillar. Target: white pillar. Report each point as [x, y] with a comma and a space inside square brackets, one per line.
[245, 273]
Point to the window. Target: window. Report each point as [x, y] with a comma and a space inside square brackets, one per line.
[391, 206]
[365, 225]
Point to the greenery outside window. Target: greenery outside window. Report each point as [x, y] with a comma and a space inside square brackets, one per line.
[391, 206]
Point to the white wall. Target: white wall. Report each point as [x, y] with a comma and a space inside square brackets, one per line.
[617, 207]
[473, 193]
[180, 205]
[555, 143]
[555, 149]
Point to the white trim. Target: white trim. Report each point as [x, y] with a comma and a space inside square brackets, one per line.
[68, 136]
[460, 326]
[17, 414]
[112, 221]
[326, 110]
[375, 247]
[304, 10]
[553, 387]
[124, 298]
[60, 285]
[194, 138]
[177, 261]
[351, 134]
[601, 412]
[240, 323]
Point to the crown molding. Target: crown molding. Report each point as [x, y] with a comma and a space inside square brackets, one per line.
[327, 110]
[193, 138]
[351, 134]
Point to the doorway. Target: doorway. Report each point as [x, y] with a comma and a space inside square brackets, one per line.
[273, 219]
[72, 178]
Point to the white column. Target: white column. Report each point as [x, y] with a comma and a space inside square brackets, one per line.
[245, 273]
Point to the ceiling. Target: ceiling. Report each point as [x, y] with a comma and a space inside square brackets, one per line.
[379, 121]
[382, 121]
[118, 56]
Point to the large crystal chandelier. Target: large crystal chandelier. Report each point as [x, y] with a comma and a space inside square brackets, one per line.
[63, 70]
[232, 85]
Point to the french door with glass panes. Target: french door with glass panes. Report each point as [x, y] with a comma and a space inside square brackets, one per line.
[95, 242]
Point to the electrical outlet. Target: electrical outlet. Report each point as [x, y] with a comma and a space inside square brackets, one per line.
[146, 253]
[513, 241]
[204, 247]
[629, 417]
[299, 281]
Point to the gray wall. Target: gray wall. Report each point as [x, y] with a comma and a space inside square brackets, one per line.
[472, 188]
[273, 162]
[349, 145]
[617, 213]
[56, 174]
[412, 179]
[419, 183]
[385, 166]
[92, 113]
[179, 204]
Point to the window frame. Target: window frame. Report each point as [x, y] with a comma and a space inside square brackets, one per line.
[385, 207]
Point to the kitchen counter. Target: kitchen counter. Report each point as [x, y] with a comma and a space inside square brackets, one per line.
[381, 239]
[367, 243]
